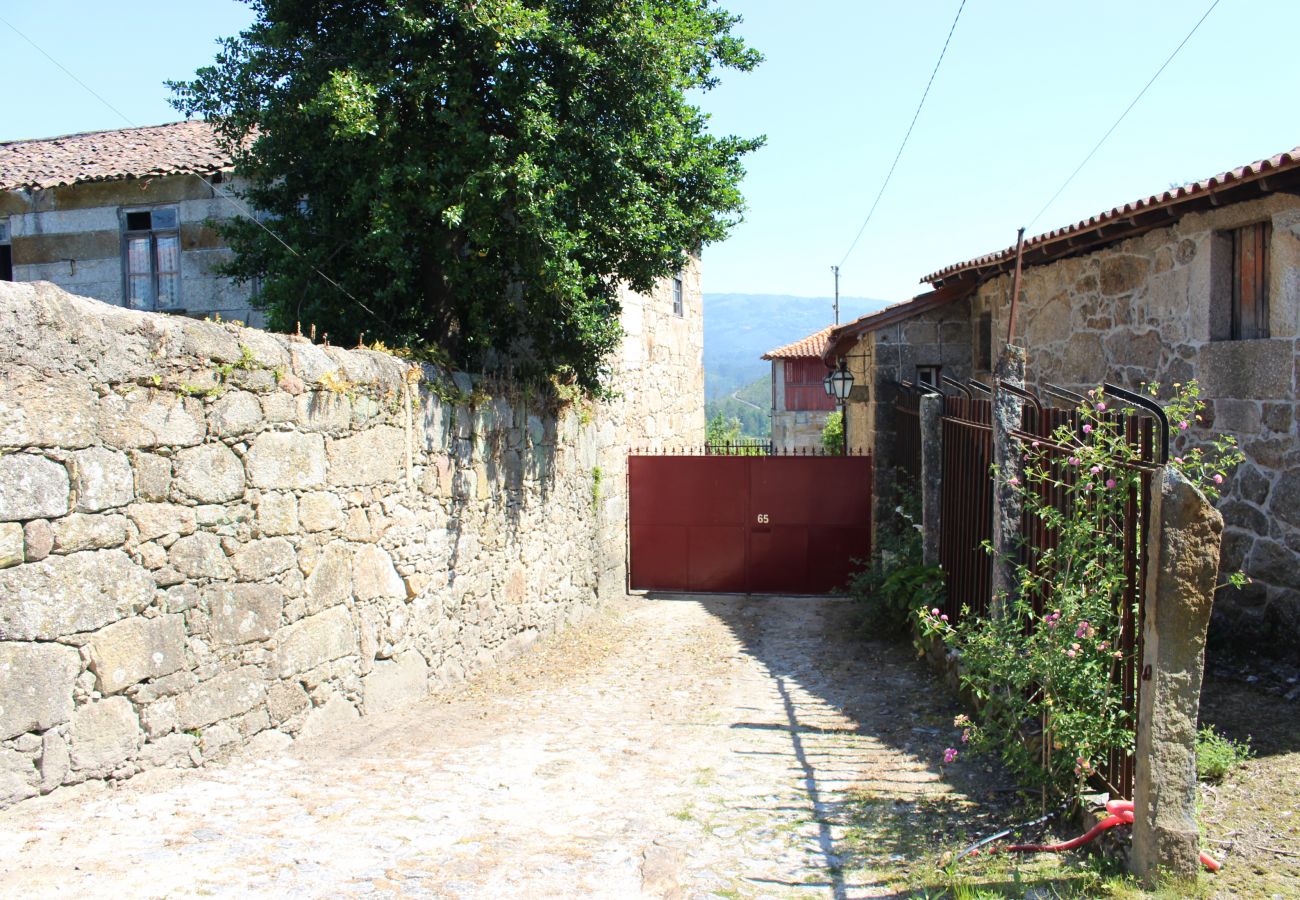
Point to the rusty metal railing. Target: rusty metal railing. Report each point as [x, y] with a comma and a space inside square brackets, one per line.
[967, 519]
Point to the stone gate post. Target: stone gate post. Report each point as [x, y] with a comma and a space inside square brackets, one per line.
[1006, 459]
[1182, 565]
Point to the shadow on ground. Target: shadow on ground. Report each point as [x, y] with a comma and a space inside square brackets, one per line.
[865, 725]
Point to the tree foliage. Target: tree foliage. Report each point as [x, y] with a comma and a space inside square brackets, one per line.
[479, 174]
[722, 430]
[833, 433]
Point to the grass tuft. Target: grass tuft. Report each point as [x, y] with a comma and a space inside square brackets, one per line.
[1217, 756]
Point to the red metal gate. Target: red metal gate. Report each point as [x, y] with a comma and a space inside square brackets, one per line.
[747, 524]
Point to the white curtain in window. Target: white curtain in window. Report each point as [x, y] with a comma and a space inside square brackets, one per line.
[169, 270]
[139, 279]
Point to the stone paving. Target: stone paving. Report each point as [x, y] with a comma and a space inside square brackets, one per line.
[676, 747]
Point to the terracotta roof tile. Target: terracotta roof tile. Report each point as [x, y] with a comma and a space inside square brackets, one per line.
[1282, 161]
[812, 345]
[175, 149]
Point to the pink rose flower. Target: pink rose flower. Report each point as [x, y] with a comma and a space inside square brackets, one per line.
[1183, 425]
[949, 755]
[1101, 407]
[1087, 429]
[1096, 470]
[1110, 482]
[1218, 479]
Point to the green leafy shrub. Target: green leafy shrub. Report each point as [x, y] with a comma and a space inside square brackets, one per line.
[1045, 682]
[895, 580]
[833, 433]
[1217, 755]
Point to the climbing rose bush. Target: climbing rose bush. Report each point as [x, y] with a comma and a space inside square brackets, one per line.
[1044, 667]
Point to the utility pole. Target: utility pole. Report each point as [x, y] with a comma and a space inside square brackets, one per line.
[836, 270]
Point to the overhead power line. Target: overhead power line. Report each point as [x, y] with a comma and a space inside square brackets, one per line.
[1122, 115]
[890, 174]
[240, 208]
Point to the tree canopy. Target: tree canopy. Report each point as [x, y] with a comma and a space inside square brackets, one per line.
[479, 174]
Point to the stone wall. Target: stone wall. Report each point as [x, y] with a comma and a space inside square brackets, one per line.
[212, 535]
[879, 361]
[798, 429]
[1142, 311]
[72, 236]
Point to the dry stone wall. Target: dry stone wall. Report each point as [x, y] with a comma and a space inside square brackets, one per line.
[211, 535]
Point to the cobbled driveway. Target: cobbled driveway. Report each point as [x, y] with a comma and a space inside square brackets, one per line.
[675, 747]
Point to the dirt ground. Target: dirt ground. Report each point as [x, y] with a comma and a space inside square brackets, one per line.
[1252, 820]
[678, 747]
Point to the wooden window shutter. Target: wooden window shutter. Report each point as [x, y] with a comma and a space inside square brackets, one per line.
[1250, 281]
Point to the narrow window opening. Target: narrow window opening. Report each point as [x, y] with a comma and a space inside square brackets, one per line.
[6, 254]
[928, 375]
[679, 307]
[984, 342]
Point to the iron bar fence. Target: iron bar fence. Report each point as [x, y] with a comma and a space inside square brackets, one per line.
[966, 516]
[907, 434]
[739, 448]
[966, 522]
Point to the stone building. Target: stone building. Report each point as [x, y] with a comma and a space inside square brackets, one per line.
[125, 217]
[800, 403]
[1201, 282]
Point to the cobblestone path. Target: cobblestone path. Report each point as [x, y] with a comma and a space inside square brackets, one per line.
[686, 747]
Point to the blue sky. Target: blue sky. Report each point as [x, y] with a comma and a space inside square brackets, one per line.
[1025, 91]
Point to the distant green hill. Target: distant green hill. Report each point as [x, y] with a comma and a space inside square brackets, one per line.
[740, 328]
[754, 415]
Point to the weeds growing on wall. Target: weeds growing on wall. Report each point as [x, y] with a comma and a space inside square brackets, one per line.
[1048, 678]
[895, 579]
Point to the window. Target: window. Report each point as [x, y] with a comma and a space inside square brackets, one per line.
[804, 390]
[928, 375]
[6, 254]
[151, 258]
[678, 306]
[1240, 261]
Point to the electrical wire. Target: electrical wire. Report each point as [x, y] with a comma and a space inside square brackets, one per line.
[1125, 113]
[915, 116]
[240, 208]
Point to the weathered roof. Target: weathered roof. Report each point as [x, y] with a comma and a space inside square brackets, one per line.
[179, 148]
[812, 345]
[1140, 215]
[844, 336]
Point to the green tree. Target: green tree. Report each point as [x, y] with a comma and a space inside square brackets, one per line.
[833, 433]
[480, 174]
[722, 430]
